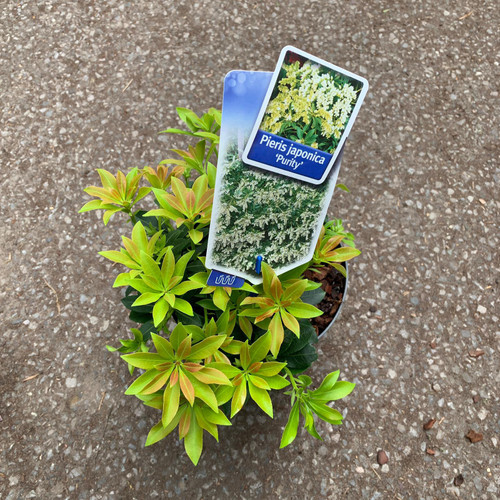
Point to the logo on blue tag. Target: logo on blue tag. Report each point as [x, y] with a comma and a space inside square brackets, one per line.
[217, 278]
[288, 155]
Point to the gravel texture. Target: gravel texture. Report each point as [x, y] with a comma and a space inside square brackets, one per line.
[89, 84]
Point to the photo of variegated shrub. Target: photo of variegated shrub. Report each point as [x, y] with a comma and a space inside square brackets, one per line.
[198, 353]
[261, 213]
[310, 104]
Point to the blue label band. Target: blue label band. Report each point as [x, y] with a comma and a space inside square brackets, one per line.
[288, 155]
[217, 278]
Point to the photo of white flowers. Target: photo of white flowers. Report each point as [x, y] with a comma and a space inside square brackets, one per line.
[311, 104]
[261, 213]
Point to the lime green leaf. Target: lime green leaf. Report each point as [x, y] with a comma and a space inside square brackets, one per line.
[220, 298]
[179, 333]
[180, 266]
[344, 253]
[277, 382]
[122, 279]
[140, 286]
[303, 310]
[206, 347]
[193, 442]
[341, 390]
[229, 370]
[150, 267]
[326, 413]
[158, 432]
[209, 375]
[261, 397]
[259, 382]
[184, 287]
[290, 322]
[239, 397]
[163, 347]
[186, 387]
[183, 306]
[291, 427]
[216, 417]
[224, 393]
[91, 205]
[144, 360]
[260, 348]
[277, 334]
[158, 382]
[329, 381]
[170, 403]
[204, 392]
[160, 310]
[295, 291]
[271, 368]
[140, 382]
[146, 298]
[245, 355]
[119, 257]
[167, 267]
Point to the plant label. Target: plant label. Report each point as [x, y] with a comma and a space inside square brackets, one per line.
[256, 212]
[305, 117]
[216, 278]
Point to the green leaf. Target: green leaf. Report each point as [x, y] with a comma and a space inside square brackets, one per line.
[193, 442]
[183, 306]
[144, 360]
[158, 432]
[326, 413]
[328, 382]
[170, 403]
[206, 347]
[163, 347]
[344, 253]
[239, 397]
[270, 369]
[277, 382]
[261, 397]
[260, 348]
[341, 390]
[150, 267]
[120, 258]
[160, 310]
[184, 287]
[180, 266]
[91, 205]
[216, 417]
[147, 298]
[139, 383]
[229, 371]
[313, 297]
[205, 393]
[343, 187]
[302, 310]
[291, 427]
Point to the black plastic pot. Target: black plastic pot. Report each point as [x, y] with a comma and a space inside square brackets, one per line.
[337, 314]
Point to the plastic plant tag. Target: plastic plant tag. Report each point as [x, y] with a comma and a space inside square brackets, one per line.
[259, 213]
[217, 278]
[305, 118]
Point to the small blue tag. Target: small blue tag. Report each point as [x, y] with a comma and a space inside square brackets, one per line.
[217, 278]
[288, 155]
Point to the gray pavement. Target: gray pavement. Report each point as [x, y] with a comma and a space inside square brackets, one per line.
[89, 84]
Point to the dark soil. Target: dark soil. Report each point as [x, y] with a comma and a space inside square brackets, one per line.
[333, 283]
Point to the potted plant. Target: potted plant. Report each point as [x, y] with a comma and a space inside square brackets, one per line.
[203, 351]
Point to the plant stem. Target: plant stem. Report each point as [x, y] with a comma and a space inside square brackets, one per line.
[292, 379]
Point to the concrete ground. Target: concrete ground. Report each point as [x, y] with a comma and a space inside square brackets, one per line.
[89, 84]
